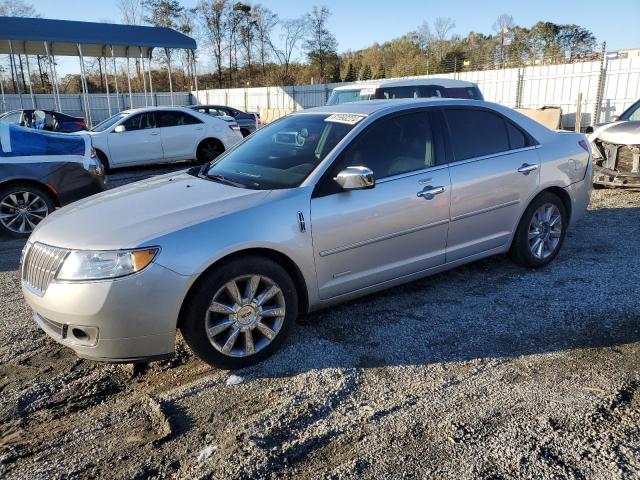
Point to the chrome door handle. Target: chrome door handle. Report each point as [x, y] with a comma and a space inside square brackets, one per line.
[154, 133]
[526, 168]
[429, 192]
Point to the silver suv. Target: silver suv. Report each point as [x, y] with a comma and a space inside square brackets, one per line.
[319, 207]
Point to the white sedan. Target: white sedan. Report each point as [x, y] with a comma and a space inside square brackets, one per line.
[146, 136]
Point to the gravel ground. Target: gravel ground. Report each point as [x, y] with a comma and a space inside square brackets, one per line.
[486, 371]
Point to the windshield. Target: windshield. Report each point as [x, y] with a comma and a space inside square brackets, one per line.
[343, 96]
[631, 113]
[284, 153]
[102, 126]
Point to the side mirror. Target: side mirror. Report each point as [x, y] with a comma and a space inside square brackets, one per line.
[356, 178]
[119, 129]
[615, 118]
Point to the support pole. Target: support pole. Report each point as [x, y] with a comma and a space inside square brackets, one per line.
[129, 81]
[195, 75]
[106, 80]
[144, 79]
[153, 100]
[26, 58]
[166, 51]
[53, 90]
[14, 71]
[3, 101]
[115, 78]
[55, 81]
[85, 88]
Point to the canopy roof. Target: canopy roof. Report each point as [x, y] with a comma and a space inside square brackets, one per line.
[29, 34]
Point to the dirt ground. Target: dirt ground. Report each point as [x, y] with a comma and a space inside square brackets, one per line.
[487, 371]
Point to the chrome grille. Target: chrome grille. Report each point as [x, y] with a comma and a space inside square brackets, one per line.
[41, 263]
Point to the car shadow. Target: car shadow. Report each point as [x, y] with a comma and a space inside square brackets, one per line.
[493, 308]
[10, 250]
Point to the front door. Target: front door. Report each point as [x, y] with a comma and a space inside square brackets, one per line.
[366, 237]
[139, 144]
[494, 174]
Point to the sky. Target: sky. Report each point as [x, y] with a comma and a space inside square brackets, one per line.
[359, 23]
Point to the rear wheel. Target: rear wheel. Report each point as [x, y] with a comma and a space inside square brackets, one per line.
[22, 207]
[240, 313]
[541, 231]
[209, 150]
[245, 132]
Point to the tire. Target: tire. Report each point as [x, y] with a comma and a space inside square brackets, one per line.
[36, 202]
[223, 333]
[552, 220]
[104, 161]
[245, 132]
[209, 150]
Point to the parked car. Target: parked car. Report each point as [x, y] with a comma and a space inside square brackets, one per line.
[616, 153]
[248, 122]
[316, 208]
[40, 171]
[146, 136]
[415, 88]
[630, 114]
[44, 120]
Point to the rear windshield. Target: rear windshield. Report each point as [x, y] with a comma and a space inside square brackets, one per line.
[344, 96]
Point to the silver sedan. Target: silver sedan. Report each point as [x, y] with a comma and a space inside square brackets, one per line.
[317, 208]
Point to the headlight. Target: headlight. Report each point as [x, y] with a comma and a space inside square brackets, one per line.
[100, 265]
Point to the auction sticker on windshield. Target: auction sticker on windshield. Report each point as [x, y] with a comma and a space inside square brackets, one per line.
[346, 118]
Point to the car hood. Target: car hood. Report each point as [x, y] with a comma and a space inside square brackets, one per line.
[620, 133]
[136, 214]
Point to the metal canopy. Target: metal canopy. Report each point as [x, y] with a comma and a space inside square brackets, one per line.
[28, 36]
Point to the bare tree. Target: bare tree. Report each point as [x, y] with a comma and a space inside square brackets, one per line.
[321, 44]
[212, 16]
[17, 8]
[265, 21]
[441, 29]
[503, 26]
[247, 33]
[131, 11]
[292, 33]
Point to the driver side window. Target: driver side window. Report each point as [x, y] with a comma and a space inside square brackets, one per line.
[141, 121]
[393, 146]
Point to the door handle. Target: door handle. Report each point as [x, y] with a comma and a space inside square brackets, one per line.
[154, 133]
[199, 128]
[526, 168]
[429, 192]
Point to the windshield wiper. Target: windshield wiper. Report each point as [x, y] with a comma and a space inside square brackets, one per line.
[225, 180]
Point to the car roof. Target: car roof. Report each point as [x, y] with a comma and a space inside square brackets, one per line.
[443, 82]
[154, 109]
[373, 106]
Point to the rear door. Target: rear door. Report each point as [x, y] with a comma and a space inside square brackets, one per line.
[366, 237]
[495, 171]
[139, 144]
[180, 132]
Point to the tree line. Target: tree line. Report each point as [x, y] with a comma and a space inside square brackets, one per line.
[245, 44]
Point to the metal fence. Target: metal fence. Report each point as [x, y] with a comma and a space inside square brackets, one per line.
[72, 104]
[607, 87]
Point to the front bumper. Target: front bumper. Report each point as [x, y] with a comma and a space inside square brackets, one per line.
[613, 178]
[123, 320]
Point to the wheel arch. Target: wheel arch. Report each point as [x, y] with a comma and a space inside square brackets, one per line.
[280, 258]
[100, 152]
[34, 183]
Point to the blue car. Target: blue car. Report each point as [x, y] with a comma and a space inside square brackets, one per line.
[44, 120]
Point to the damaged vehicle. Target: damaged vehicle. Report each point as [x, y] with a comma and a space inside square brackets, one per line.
[616, 154]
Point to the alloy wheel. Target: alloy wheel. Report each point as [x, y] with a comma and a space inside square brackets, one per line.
[210, 151]
[245, 315]
[21, 211]
[545, 230]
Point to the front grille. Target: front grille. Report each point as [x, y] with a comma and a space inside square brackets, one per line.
[41, 263]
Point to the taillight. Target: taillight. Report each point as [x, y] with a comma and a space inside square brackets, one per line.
[80, 123]
[585, 145]
[235, 127]
[93, 152]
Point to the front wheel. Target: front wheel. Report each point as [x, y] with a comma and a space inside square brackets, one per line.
[240, 313]
[22, 207]
[541, 231]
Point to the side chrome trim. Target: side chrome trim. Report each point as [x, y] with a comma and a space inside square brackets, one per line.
[484, 210]
[301, 223]
[351, 246]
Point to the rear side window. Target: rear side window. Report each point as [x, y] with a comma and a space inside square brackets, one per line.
[475, 133]
[471, 93]
[517, 139]
[415, 91]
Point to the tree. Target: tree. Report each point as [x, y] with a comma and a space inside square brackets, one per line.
[503, 26]
[265, 21]
[131, 11]
[293, 31]
[162, 13]
[351, 73]
[442, 26]
[365, 73]
[334, 75]
[212, 19]
[380, 73]
[17, 8]
[321, 44]
[247, 33]
[576, 41]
